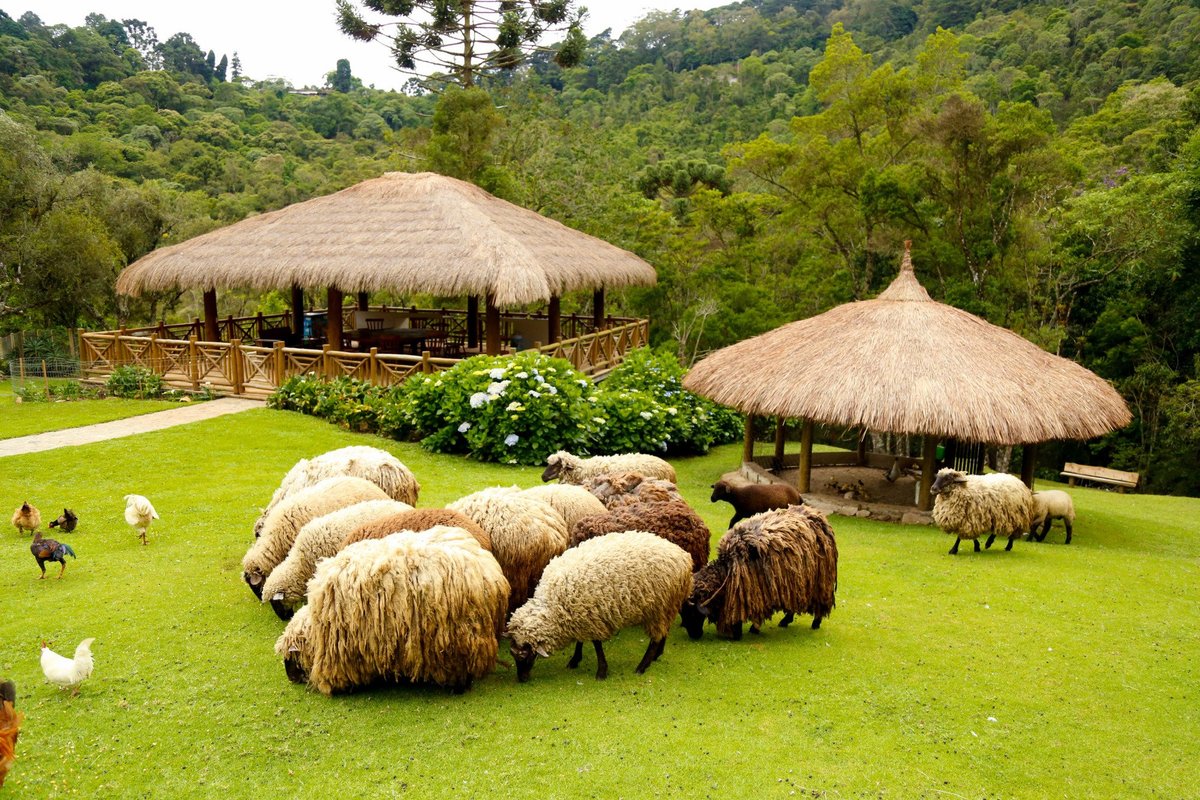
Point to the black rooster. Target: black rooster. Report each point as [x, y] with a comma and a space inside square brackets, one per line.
[50, 550]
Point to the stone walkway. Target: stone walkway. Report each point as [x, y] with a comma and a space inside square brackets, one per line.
[117, 429]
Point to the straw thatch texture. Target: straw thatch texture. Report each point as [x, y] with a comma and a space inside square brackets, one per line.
[400, 232]
[907, 364]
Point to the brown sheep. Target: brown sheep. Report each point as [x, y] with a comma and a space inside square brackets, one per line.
[672, 520]
[418, 519]
[616, 489]
[754, 498]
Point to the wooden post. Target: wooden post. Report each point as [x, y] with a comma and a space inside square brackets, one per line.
[297, 312]
[748, 440]
[119, 348]
[212, 331]
[1028, 462]
[598, 308]
[258, 325]
[928, 462]
[193, 363]
[472, 322]
[364, 301]
[804, 479]
[374, 361]
[780, 434]
[326, 361]
[426, 366]
[492, 323]
[280, 364]
[235, 365]
[554, 320]
[46, 378]
[862, 447]
[333, 318]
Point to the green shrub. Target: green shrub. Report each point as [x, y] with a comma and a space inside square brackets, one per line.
[134, 382]
[298, 393]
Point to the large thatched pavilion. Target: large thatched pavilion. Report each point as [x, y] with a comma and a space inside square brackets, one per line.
[904, 363]
[404, 233]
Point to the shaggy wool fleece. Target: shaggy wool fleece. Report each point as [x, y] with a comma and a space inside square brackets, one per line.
[573, 502]
[570, 468]
[673, 520]
[418, 519]
[970, 506]
[615, 489]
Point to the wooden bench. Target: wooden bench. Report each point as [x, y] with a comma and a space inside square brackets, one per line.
[1113, 477]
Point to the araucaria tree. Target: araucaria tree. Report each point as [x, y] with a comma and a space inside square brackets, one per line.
[465, 38]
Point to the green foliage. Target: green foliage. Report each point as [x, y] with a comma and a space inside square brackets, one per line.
[131, 381]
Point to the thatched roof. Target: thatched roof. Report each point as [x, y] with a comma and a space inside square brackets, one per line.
[907, 364]
[401, 232]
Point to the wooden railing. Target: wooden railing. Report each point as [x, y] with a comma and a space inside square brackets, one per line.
[245, 369]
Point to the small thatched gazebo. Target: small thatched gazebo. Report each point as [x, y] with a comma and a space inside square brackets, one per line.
[403, 232]
[903, 363]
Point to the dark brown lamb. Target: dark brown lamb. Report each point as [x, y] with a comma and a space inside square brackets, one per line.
[754, 498]
[672, 520]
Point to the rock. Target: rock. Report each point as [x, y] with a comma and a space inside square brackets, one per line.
[914, 518]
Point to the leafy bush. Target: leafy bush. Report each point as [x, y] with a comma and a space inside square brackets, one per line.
[134, 382]
[298, 393]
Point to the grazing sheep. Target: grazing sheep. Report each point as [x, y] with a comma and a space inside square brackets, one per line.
[319, 538]
[573, 469]
[780, 560]
[593, 590]
[673, 520]
[754, 498]
[573, 502]
[418, 519]
[1050, 505]
[525, 535]
[969, 506]
[616, 489]
[292, 514]
[370, 463]
[421, 607]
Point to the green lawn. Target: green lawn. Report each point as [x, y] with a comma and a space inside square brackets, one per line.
[24, 419]
[1050, 671]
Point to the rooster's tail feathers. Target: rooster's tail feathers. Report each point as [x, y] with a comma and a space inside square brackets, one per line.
[70, 552]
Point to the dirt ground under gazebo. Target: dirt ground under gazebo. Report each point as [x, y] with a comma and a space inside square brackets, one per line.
[873, 498]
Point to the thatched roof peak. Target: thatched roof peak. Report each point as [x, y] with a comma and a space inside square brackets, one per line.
[906, 287]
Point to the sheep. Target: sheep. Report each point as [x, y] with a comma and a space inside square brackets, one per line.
[749, 499]
[319, 538]
[573, 502]
[525, 534]
[418, 519]
[969, 506]
[573, 469]
[378, 466]
[420, 606]
[672, 520]
[624, 488]
[784, 559]
[1050, 505]
[593, 590]
[291, 514]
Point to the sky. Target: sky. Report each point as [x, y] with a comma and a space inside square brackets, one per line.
[293, 39]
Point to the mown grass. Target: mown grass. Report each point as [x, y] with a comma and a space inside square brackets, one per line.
[1050, 671]
[25, 419]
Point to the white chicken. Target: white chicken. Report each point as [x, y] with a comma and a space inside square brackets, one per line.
[68, 673]
[139, 513]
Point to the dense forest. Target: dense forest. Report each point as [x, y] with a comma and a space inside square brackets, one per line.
[769, 157]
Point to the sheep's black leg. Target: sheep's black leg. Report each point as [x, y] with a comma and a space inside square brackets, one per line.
[733, 520]
[651, 653]
[817, 621]
[1045, 529]
[601, 662]
[1067, 522]
[575, 659]
[787, 619]
[755, 629]
[459, 688]
[662, 645]
[954, 550]
[988, 544]
[735, 633]
[1008, 546]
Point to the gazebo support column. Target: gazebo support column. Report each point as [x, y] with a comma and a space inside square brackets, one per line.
[1028, 462]
[212, 333]
[364, 301]
[554, 320]
[598, 308]
[748, 440]
[297, 312]
[492, 324]
[862, 447]
[779, 441]
[472, 322]
[333, 323]
[928, 462]
[804, 478]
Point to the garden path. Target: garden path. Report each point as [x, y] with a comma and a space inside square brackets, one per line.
[130, 426]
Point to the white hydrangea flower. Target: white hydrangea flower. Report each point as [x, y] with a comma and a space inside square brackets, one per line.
[514, 406]
[599, 420]
[646, 415]
[479, 398]
[511, 439]
[552, 389]
[582, 382]
[522, 375]
[533, 393]
[496, 374]
[466, 426]
[538, 378]
[592, 399]
[672, 410]
[497, 388]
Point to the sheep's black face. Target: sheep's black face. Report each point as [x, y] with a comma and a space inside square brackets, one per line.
[551, 472]
[718, 493]
[280, 607]
[524, 656]
[295, 670]
[255, 581]
[693, 619]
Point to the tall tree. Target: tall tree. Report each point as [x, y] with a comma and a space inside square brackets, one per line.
[144, 40]
[465, 38]
[341, 80]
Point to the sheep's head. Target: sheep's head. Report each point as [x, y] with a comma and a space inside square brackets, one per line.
[280, 606]
[525, 648]
[721, 490]
[554, 467]
[255, 581]
[294, 667]
[693, 619]
[946, 480]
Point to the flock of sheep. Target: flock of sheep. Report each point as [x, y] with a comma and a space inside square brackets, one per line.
[375, 590]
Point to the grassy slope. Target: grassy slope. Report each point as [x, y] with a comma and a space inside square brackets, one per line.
[23, 419]
[1085, 656]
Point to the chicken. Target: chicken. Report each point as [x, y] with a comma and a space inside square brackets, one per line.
[67, 522]
[27, 518]
[50, 550]
[139, 513]
[68, 673]
[10, 727]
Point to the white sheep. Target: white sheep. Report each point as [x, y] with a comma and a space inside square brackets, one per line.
[573, 469]
[319, 538]
[593, 590]
[292, 514]
[378, 466]
[1050, 505]
[969, 506]
[573, 502]
[421, 607]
